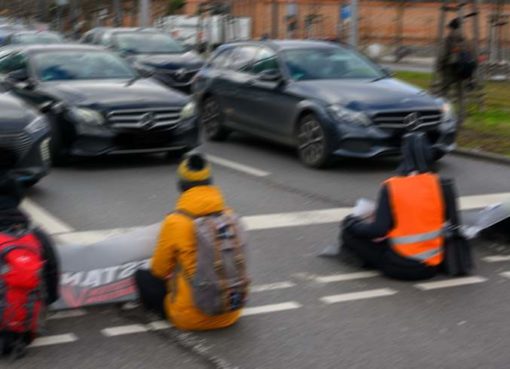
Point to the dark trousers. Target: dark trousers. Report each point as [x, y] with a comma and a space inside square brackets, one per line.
[152, 291]
[379, 255]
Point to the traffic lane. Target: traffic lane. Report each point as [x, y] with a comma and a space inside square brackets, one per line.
[126, 352]
[347, 179]
[464, 327]
[115, 193]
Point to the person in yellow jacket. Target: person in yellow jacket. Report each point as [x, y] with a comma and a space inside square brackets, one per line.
[164, 288]
[405, 237]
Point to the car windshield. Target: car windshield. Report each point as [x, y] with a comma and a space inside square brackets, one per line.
[37, 38]
[80, 65]
[147, 43]
[328, 63]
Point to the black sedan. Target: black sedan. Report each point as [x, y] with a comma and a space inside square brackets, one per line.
[98, 105]
[151, 51]
[24, 140]
[322, 98]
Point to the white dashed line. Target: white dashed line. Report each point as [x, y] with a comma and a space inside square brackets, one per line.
[54, 340]
[496, 258]
[159, 325]
[450, 283]
[238, 166]
[362, 295]
[505, 274]
[291, 305]
[65, 314]
[44, 219]
[123, 330]
[272, 286]
[346, 277]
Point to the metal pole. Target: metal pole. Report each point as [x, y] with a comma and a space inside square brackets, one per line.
[354, 24]
[144, 17]
[117, 13]
[274, 19]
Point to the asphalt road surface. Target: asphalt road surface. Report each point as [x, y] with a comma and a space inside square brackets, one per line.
[305, 311]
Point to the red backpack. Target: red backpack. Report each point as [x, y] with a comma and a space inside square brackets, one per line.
[21, 292]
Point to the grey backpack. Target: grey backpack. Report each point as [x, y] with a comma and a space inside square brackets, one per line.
[220, 283]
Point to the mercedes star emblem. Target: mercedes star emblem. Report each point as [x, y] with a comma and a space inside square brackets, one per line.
[148, 121]
[412, 121]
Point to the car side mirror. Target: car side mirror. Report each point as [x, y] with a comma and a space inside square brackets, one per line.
[20, 79]
[270, 75]
[388, 72]
[145, 73]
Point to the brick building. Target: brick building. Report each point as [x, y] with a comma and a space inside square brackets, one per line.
[380, 21]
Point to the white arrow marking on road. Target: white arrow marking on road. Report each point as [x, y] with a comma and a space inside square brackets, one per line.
[362, 295]
[505, 274]
[238, 166]
[450, 283]
[291, 305]
[496, 258]
[54, 340]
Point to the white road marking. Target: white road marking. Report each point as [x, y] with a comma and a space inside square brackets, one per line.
[65, 314]
[253, 223]
[295, 219]
[124, 329]
[291, 305]
[481, 201]
[346, 277]
[505, 274]
[496, 258]
[159, 325]
[455, 282]
[54, 340]
[362, 295]
[238, 166]
[272, 286]
[44, 219]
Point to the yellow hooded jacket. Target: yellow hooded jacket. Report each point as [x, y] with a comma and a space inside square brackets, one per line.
[175, 255]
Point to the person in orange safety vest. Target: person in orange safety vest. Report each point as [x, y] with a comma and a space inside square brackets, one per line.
[405, 237]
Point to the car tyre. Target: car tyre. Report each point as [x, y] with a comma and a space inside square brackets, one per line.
[211, 120]
[58, 157]
[314, 146]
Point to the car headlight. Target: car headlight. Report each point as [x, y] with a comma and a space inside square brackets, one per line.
[38, 124]
[188, 111]
[448, 112]
[350, 116]
[86, 116]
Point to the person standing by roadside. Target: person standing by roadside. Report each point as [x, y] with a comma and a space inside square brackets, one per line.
[455, 65]
[197, 277]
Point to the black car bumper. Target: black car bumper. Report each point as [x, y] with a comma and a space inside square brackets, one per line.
[108, 141]
[27, 155]
[372, 142]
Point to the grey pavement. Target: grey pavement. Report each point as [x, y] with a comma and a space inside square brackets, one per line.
[458, 327]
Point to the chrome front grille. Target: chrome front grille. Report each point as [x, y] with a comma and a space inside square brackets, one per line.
[408, 120]
[18, 143]
[145, 119]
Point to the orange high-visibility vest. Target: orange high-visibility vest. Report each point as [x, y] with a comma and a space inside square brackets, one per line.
[419, 217]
